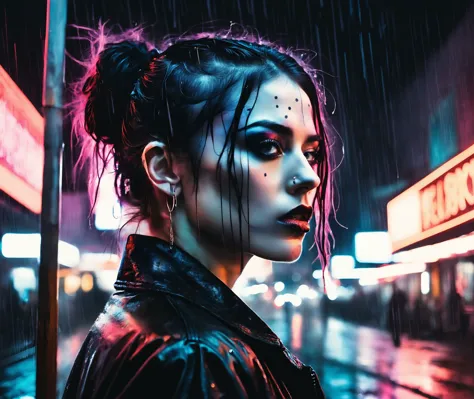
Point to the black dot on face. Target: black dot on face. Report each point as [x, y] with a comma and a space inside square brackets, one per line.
[249, 109]
[276, 97]
[296, 100]
[309, 105]
[289, 108]
[286, 116]
[265, 174]
[277, 106]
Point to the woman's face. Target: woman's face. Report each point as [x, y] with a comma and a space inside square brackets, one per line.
[276, 161]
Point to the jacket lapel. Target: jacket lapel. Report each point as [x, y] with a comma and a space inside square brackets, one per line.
[150, 264]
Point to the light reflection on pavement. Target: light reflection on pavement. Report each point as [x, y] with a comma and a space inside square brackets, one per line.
[361, 362]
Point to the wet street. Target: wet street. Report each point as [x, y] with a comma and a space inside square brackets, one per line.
[351, 361]
[361, 362]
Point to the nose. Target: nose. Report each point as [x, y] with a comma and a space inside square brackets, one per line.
[303, 180]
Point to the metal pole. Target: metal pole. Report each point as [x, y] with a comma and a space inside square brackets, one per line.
[46, 343]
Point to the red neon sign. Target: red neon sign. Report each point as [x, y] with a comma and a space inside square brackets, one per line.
[449, 196]
[442, 200]
[21, 146]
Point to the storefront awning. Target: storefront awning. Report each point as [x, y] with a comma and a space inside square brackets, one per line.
[438, 207]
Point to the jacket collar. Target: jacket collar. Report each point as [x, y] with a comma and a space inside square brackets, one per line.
[150, 264]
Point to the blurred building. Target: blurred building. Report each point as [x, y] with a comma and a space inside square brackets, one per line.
[21, 166]
[430, 211]
[21, 179]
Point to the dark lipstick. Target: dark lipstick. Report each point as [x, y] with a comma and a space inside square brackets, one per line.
[297, 219]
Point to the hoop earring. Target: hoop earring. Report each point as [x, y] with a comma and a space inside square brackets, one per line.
[170, 211]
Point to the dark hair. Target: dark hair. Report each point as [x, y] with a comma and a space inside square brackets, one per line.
[133, 93]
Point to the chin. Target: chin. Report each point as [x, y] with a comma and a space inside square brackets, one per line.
[287, 251]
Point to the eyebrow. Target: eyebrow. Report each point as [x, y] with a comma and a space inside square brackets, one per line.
[280, 129]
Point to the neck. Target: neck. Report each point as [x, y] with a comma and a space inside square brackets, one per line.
[226, 265]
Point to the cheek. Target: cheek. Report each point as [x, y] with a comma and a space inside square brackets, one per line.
[258, 181]
[213, 187]
[264, 185]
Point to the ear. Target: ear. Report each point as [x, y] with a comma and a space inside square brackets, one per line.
[157, 162]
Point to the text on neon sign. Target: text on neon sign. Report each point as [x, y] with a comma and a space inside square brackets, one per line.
[19, 149]
[451, 195]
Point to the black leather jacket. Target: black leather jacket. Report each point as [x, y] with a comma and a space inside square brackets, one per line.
[174, 330]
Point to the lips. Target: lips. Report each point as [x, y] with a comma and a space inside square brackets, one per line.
[297, 219]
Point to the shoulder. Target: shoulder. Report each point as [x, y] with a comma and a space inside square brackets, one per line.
[145, 312]
[142, 342]
[138, 364]
[132, 331]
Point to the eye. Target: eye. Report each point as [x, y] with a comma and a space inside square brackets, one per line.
[265, 148]
[270, 148]
[314, 157]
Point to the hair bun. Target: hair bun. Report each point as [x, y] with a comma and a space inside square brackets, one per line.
[118, 68]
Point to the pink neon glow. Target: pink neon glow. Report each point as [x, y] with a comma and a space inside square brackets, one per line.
[297, 331]
[21, 146]
[17, 147]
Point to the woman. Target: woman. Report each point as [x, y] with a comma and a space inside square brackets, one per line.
[220, 145]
